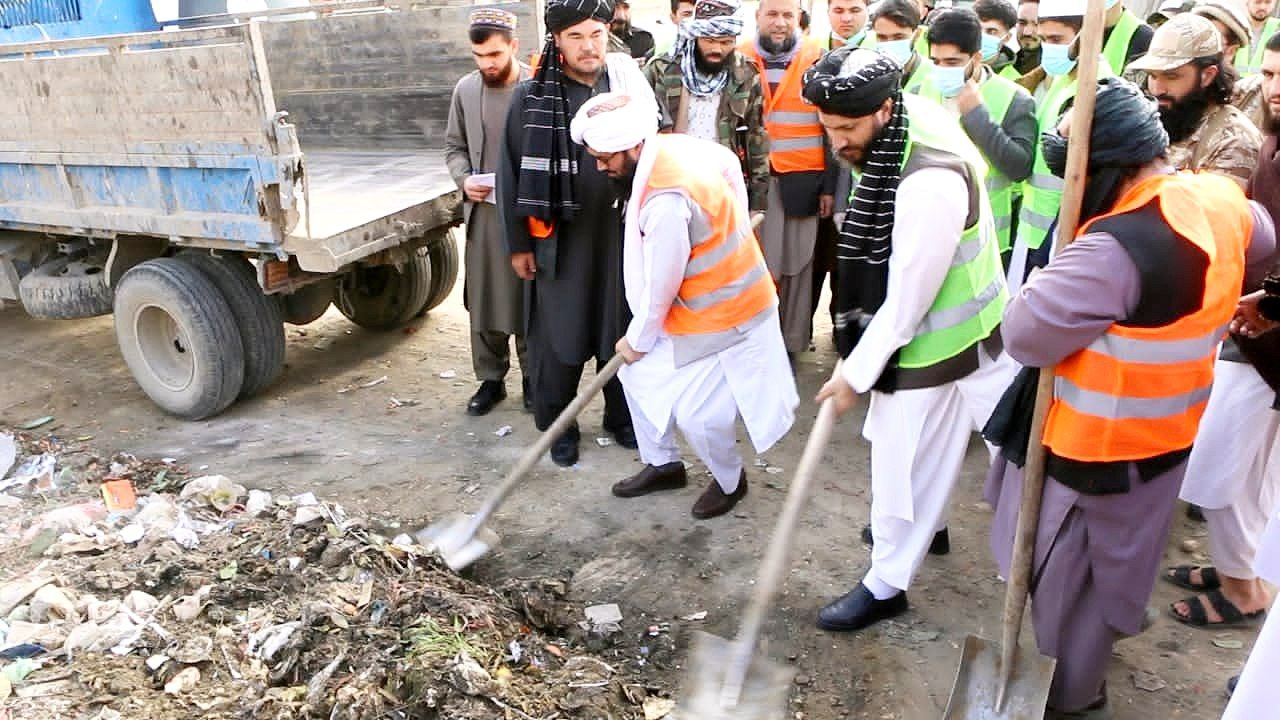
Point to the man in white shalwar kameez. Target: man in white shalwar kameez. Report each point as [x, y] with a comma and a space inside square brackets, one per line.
[918, 309]
[704, 345]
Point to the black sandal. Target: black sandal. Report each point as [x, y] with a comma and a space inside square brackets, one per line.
[1230, 614]
[1181, 576]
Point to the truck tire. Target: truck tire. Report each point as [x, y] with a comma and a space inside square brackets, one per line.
[381, 297]
[443, 254]
[179, 338]
[308, 303]
[66, 289]
[258, 316]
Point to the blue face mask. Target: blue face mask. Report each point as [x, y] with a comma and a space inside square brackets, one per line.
[950, 80]
[990, 46]
[899, 50]
[857, 37]
[1055, 60]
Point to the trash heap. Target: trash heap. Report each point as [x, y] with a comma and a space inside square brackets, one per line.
[128, 590]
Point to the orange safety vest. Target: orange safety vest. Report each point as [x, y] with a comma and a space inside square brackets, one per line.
[795, 136]
[1139, 392]
[726, 282]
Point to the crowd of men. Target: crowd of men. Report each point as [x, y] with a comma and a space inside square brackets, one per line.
[684, 207]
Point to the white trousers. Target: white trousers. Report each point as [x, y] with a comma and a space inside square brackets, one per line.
[707, 415]
[1258, 694]
[918, 442]
[1232, 472]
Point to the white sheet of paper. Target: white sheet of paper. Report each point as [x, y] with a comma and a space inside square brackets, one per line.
[488, 180]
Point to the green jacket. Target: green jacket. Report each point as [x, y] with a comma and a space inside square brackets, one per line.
[741, 121]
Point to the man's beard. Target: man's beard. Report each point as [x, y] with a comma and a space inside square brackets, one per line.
[1270, 121]
[621, 28]
[708, 68]
[501, 79]
[1183, 117]
[622, 183]
[769, 46]
[865, 153]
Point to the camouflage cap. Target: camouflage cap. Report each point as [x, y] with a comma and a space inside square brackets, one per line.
[1231, 13]
[1183, 39]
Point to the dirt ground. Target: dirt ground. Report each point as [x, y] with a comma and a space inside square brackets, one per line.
[410, 463]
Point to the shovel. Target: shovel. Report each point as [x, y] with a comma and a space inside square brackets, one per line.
[1009, 682]
[727, 679]
[462, 539]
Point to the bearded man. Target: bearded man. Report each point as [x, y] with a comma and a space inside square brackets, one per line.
[707, 89]
[563, 220]
[1192, 82]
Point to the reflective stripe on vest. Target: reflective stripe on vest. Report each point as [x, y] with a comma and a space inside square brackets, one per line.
[1139, 392]
[971, 300]
[795, 136]
[1248, 60]
[1116, 51]
[726, 283]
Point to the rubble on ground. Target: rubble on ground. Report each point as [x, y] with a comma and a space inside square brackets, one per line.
[195, 597]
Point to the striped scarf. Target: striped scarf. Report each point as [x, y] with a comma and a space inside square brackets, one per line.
[544, 189]
[722, 21]
[862, 252]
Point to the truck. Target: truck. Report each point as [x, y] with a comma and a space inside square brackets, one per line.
[207, 183]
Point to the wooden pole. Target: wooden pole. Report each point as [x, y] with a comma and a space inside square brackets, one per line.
[1090, 48]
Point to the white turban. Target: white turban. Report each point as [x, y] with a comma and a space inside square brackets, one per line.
[614, 122]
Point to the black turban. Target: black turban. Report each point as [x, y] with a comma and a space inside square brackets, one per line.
[562, 14]
[1126, 134]
[852, 81]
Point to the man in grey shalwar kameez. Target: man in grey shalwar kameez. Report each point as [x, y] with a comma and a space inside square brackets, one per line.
[1133, 302]
[493, 294]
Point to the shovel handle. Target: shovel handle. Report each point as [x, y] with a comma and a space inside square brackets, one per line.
[543, 444]
[774, 567]
[1024, 541]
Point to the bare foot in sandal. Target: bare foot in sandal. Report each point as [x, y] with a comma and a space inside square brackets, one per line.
[1193, 577]
[1238, 603]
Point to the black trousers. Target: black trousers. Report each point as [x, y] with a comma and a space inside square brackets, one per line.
[556, 384]
[824, 263]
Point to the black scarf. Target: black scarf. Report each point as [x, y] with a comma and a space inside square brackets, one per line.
[548, 163]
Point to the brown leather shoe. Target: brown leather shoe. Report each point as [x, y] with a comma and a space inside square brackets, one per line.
[715, 502]
[653, 479]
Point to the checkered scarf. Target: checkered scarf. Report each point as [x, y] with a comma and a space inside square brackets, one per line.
[711, 19]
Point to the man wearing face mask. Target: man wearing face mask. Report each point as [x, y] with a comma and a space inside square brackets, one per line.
[849, 24]
[1129, 315]
[918, 311]
[1053, 85]
[1028, 57]
[898, 29]
[705, 88]
[996, 113]
[998, 19]
[800, 188]
[562, 217]
[1191, 82]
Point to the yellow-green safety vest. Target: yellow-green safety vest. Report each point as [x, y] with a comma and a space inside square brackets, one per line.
[971, 301]
[1116, 50]
[1249, 59]
[997, 96]
[1042, 192]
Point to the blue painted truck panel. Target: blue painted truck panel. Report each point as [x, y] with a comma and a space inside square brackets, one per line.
[35, 20]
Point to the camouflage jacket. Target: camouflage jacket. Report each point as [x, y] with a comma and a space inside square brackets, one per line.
[741, 118]
[1226, 142]
[1247, 97]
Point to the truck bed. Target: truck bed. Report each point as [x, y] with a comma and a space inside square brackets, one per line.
[363, 201]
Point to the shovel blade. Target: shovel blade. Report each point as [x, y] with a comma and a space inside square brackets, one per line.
[764, 690]
[451, 540]
[973, 697]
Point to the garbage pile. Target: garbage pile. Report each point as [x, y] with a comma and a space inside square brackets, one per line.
[129, 590]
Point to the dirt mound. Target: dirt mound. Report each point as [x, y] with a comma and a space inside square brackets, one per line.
[198, 598]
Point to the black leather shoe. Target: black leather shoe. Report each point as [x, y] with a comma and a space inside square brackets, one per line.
[564, 451]
[941, 544]
[491, 393]
[1231, 685]
[1195, 512]
[651, 479]
[714, 502]
[859, 609]
[528, 394]
[625, 436]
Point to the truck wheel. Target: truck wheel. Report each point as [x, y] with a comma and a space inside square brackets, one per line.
[258, 316]
[179, 338]
[380, 297]
[308, 303]
[66, 289]
[443, 254]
